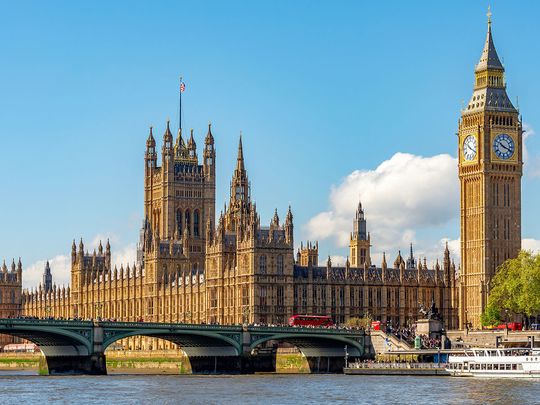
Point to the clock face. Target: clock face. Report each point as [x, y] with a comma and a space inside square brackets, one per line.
[503, 146]
[469, 147]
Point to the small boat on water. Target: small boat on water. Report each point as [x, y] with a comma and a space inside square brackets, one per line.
[496, 363]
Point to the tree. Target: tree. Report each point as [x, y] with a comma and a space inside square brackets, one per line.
[364, 323]
[515, 287]
[491, 316]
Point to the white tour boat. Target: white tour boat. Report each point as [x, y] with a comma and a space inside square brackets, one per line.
[514, 363]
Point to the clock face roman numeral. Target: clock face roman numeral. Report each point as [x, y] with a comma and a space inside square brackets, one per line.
[469, 148]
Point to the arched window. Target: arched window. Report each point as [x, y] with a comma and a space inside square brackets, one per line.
[262, 264]
[179, 220]
[280, 264]
[188, 222]
[13, 297]
[196, 223]
[0, 297]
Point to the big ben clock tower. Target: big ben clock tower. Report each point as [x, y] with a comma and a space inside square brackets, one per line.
[490, 170]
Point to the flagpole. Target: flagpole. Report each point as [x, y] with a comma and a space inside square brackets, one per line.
[180, 106]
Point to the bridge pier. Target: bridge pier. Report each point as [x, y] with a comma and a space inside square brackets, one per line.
[94, 364]
[216, 364]
[325, 364]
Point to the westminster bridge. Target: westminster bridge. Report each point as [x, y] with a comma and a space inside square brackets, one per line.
[78, 347]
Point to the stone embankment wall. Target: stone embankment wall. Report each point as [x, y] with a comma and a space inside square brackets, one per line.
[488, 338]
[148, 362]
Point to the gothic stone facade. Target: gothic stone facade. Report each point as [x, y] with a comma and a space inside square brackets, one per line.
[235, 271]
[10, 294]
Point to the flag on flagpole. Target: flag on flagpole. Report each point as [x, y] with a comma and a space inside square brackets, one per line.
[182, 87]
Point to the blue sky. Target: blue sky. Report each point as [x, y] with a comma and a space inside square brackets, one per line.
[320, 90]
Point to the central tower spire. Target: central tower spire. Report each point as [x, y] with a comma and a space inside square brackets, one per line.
[240, 195]
[240, 158]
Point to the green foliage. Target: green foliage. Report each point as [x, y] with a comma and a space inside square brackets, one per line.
[491, 316]
[516, 286]
[364, 323]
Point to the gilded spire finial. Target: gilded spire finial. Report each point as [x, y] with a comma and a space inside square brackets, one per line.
[489, 15]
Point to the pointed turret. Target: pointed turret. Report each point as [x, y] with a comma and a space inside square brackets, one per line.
[191, 145]
[151, 142]
[359, 243]
[289, 218]
[275, 219]
[239, 184]
[399, 260]
[490, 87]
[167, 149]
[47, 277]
[209, 139]
[289, 227]
[411, 262]
[359, 224]
[489, 58]
[150, 156]
[179, 143]
[209, 154]
[240, 157]
[167, 136]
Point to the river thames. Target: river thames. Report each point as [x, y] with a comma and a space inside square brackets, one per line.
[24, 388]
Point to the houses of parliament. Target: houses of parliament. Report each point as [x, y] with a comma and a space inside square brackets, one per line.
[197, 266]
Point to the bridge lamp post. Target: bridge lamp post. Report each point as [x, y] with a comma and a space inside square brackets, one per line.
[188, 314]
[97, 308]
[47, 311]
[245, 314]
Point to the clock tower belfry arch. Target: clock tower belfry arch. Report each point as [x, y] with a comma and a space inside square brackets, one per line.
[490, 170]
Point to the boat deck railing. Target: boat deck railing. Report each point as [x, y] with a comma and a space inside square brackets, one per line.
[402, 366]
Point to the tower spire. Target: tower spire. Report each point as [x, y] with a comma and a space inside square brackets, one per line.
[240, 183]
[489, 58]
[240, 158]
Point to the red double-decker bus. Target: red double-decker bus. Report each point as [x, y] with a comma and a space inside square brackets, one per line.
[511, 326]
[310, 320]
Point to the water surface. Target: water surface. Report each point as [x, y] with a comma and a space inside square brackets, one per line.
[24, 388]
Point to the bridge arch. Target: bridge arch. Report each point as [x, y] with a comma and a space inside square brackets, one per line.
[193, 342]
[312, 339]
[54, 341]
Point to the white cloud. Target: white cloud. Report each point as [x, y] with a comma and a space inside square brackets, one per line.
[60, 268]
[403, 195]
[531, 244]
[124, 255]
[531, 160]
[337, 261]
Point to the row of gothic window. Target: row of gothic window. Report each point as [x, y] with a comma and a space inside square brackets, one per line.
[9, 298]
[184, 220]
[263, 265]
